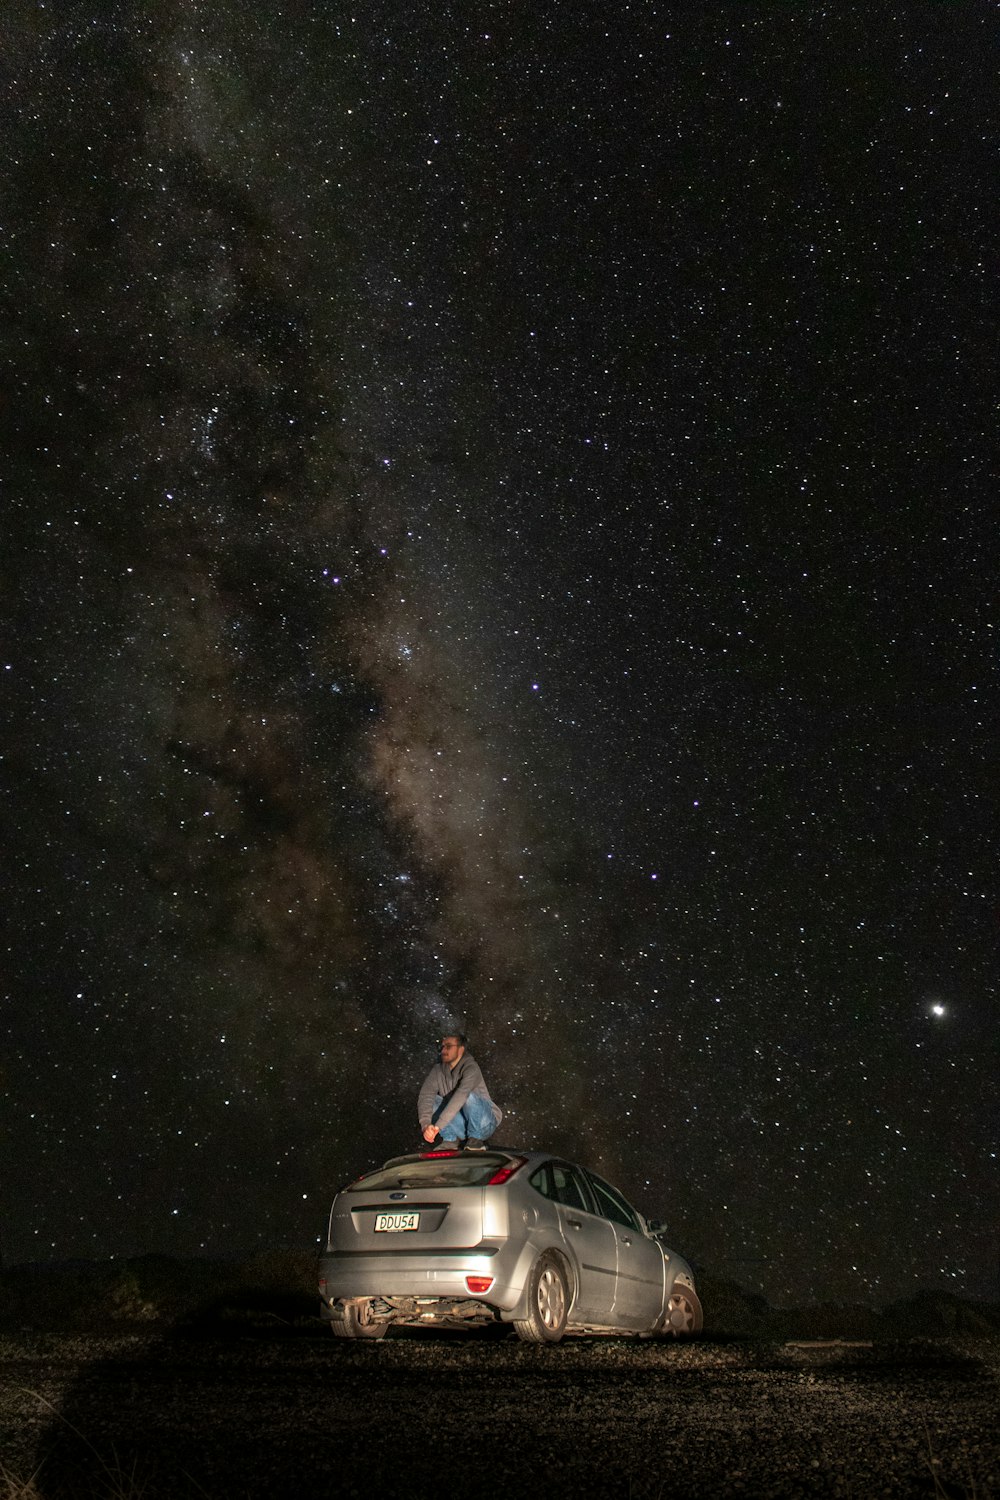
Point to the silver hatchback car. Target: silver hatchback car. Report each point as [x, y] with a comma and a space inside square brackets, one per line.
[453, 1237]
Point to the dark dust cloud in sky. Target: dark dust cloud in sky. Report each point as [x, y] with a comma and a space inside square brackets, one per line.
[499, 525]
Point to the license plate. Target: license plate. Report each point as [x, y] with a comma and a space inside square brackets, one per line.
[395, 1223]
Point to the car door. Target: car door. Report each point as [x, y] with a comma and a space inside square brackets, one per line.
[590, 1239]
[640, 1266]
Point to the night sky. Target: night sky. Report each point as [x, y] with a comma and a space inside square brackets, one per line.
[499, 527]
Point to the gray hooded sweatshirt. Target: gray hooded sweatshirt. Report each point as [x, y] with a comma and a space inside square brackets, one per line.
[454, 1085]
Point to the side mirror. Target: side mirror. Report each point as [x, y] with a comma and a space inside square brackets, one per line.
[656, 1227]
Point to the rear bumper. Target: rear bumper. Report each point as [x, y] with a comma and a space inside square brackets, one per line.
[440, 1274]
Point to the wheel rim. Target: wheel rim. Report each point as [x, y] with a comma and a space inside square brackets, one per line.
[551, 1298]
[680, 1314]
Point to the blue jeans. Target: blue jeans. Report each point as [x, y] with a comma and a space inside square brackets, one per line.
[476, 1120]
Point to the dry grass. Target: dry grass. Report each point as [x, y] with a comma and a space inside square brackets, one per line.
[109, 1479]
[949, 1490]
[13, 1488]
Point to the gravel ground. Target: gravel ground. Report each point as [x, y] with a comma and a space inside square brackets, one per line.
[305, 1415]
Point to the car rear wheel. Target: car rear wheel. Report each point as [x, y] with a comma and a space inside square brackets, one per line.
[548, 1303]
[683, 1315]
[358, 1321]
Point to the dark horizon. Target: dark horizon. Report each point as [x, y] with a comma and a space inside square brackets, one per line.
[160, 1289]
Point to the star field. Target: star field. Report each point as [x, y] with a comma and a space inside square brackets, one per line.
[500, 528]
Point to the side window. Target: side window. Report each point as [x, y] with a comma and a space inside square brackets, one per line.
[541, 1180]
[612, 1205]
[567, 1187]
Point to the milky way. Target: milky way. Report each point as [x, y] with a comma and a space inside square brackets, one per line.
[499, 532]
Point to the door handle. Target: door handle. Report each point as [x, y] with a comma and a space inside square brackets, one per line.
[574, 1223]
[626, 1240]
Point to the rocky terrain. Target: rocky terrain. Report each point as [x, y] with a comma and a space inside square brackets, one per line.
[251, 1397]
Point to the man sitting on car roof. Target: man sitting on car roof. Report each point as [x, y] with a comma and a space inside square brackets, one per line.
[454, 1102]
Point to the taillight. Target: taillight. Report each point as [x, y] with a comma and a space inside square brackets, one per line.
[504, 1174]
[478, 1285]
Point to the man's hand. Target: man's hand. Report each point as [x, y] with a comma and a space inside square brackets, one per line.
[431, 1132]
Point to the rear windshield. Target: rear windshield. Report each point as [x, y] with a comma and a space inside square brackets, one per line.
[444, 1171]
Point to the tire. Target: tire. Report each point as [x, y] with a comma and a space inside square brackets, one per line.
[683, 1316]
[548, 1303]
[358, 1322]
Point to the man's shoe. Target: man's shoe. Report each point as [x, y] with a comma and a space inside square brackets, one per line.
[440, 1145]
[475, 1144]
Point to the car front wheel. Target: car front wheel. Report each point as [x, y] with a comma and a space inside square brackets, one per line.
[358, 1321]
[548, 1303]
[683, 1315]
